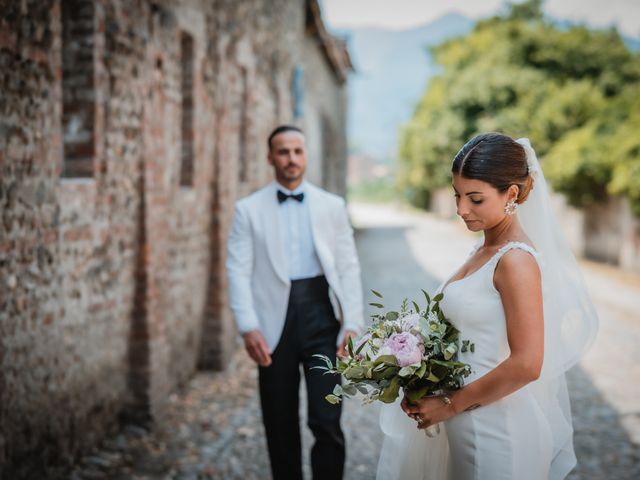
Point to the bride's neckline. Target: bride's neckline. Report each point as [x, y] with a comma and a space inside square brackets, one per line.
[475, 249]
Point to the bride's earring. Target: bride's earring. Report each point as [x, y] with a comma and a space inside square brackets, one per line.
[511, 207]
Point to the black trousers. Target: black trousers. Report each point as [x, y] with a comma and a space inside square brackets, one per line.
[310, 328]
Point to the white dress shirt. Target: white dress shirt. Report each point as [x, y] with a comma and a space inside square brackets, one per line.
[295, 225]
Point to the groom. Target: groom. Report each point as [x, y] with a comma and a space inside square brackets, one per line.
[293, 272]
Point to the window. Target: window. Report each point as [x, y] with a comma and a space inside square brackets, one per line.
[297, 92]
[78, 88]
[243, 166]
[187, 120]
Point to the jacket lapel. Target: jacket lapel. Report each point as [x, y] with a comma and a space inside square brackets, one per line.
[271, 224]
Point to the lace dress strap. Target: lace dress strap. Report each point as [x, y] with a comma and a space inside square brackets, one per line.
[510, 246]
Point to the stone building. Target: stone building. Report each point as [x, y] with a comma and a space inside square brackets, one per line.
[127, 130]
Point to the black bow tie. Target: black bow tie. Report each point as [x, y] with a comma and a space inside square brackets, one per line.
[283, 197]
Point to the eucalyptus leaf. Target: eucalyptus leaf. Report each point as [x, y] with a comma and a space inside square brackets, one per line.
[349, 389]
[390, 393]
[386, 360]
[354, 372]
[426, 295]
[377, 294]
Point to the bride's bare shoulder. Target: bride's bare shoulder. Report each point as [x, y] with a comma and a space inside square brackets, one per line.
[517, 267]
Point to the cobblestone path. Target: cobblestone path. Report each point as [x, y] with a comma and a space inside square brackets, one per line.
[213, 429]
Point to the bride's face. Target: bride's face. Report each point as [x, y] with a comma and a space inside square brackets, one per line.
[479, 204]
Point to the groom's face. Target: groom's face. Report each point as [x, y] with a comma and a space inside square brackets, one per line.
[288, 156]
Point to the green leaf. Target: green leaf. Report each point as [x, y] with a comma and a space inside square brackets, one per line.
[349, 389]
[472, 347]
[386, 360]
[354, 372]
[377, 305]
[432, 378]
[417, 307]
[377, 294]
[392, 315]
[350, 347]
[328, 362]
[406, 371]
[426, 295]
[337, 390]
[390, 393]
[438, 297]
[362, 389]
[332, 399]
[416, 394]
[443, 363]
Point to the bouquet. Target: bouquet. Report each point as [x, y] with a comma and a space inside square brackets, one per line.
[414, 349]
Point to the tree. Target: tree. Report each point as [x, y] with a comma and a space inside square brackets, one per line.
[572, 91]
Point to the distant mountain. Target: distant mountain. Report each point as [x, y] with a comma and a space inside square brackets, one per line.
[632, 43]
[392, 70]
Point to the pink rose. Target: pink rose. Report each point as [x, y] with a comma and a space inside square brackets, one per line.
[407, 348]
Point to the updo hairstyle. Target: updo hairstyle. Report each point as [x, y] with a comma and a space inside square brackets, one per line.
[497, 160]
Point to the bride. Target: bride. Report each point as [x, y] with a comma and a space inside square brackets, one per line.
[520, 299]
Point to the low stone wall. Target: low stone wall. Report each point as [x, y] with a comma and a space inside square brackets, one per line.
[612, 234]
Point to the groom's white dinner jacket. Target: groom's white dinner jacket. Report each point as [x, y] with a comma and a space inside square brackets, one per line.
[257, 267]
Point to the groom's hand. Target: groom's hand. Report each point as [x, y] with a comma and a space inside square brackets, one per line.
[257, 347]
[342, 349]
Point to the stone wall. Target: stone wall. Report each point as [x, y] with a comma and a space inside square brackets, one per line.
[612, 234]
[127, 130]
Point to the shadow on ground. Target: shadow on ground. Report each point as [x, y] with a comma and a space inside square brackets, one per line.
[213, 429]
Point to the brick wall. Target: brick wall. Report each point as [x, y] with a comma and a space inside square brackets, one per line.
[119, 170]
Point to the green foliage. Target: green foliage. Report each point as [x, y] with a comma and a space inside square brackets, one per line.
[602, 157]
[380, 190]
[574, 92]
[376, 373]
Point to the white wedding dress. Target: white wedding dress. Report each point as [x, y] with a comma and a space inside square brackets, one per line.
[508, 439]
[527, 435]
[505, 440]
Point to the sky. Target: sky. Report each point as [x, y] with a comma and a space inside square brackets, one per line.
[403, 14]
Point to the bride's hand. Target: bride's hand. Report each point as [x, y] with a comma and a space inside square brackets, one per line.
[427, 411]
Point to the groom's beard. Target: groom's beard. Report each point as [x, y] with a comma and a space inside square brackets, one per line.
[290, 173]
